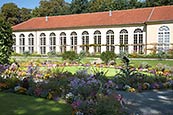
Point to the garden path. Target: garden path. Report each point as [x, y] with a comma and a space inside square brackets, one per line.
[155, 102]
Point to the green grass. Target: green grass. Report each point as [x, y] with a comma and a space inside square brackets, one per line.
[15, 104]
[73, 69]
[136, 62]
[153, 63]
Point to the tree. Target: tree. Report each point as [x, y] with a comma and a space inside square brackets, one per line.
[79, 6]
[6, 42]
[25, 14]
[10, 12]
[151, 3]
[97, 5]
[51, 8]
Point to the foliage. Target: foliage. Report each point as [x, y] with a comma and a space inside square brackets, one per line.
[87, 93]
[14, 15]
[52, 54]
[51, 8]
[126, 72]
[25, 14]
[107, 105]
[107, 56]
[26, 53]
[161, 55]
[6, 42]
[10, 12]
[78, 6]
[70, 55]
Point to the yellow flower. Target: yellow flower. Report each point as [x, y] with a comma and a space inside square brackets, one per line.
[131, 90]
[49, 95]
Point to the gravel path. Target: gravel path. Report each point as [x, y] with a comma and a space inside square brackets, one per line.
[153, 102]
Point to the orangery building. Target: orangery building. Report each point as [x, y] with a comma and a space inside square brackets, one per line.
[135, 30]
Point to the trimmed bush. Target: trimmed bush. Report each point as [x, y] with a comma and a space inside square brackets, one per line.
[70, 55]
[107, 56]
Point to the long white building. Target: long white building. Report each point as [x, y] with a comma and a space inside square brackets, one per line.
[136, 30]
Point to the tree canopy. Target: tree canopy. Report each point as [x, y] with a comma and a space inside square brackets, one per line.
[14, 15]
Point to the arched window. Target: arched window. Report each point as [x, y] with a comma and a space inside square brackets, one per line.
[22, 43]
[42, 43]
[85, 41]
[163, 38]
[123, 41]
[31, 43]
[14, 45]
[97, 41]
[110, 41]
[52, 42]
[73, 38]
[63, 42]
[138, 41]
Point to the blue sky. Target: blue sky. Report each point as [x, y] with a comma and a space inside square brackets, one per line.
[24, 3]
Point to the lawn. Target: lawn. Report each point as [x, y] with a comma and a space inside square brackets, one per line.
[109, 72]
[135, 62]
[15, 104]
[153, 63]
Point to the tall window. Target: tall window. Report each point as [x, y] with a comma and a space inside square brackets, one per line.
[63, 42]
[31, 43]
[22, 43]
[163, 38]
[42, 43]
[73, 38]
[110, 41]
[14, 45]
[124, 41]
[52, 42]
[138, 41]
[85, 41]
[97, 42]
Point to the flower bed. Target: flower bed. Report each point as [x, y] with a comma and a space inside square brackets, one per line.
[86, 92]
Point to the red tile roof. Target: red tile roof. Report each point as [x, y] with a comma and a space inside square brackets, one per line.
[121, 17]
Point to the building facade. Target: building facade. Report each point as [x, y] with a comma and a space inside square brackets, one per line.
[136, 30]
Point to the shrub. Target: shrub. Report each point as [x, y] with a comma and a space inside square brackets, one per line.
[70, 55]
[6, 42]
[107, 56]
[51, 54]
[26, 53]
[161, 55]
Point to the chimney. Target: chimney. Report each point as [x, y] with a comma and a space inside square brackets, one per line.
[110, 13]
[46, 19]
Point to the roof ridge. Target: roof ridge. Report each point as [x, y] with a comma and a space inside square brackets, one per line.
[96, 12]
[24, 22]
[151, 13]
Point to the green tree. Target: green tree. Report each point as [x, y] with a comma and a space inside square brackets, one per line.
[51, 8]
[11, 13]
[25, 14]
[6, 42]
[101, 5]
[134, 4]
[79, 6]
[151, 3]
